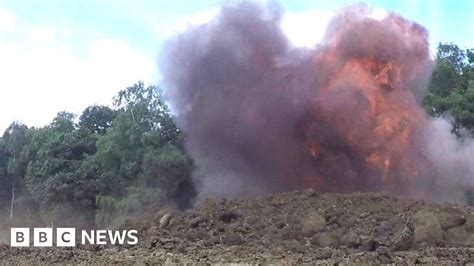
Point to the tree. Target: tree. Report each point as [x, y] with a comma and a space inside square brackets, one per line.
[56, 176]
[64, 122]
[451, 88]
[119, 154]
[14, 140]
[143, 123]
[97, 119]
[140, 157]
[6, 181]
[147, 108]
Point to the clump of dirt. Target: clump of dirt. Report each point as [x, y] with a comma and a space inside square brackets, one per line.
[294, 227]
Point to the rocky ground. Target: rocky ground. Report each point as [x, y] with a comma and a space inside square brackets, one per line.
[296, 227]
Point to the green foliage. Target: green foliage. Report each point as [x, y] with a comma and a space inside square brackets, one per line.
[64, 122]
[111, 163]
[451, 90]
[141, 149]
[55, 175]
[119, 154]
[97, 119]
[143, 126]
[148, 110]
[14, 139]
[5, 180]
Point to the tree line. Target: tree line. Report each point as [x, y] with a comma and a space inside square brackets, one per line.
[90, 170]
[111, 162]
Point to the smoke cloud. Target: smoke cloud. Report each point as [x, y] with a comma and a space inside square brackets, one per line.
[261, 116]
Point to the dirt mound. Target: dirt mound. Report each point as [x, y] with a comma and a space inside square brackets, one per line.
[294, 227]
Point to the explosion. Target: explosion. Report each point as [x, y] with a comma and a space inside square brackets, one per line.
[363, 129]
[261, 116]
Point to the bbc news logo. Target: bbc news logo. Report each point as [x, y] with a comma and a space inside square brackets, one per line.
[66, 237]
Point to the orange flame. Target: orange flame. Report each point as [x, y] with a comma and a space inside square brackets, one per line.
[390, 109]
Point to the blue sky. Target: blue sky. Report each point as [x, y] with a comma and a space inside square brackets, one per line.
[65, 55]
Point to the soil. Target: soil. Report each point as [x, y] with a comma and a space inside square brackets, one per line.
[287, 228]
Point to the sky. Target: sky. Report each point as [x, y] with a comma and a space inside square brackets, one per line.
[59, 55]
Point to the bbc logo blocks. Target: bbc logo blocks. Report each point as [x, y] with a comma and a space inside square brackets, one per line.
[43, 237]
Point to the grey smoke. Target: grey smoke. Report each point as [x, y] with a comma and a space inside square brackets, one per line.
[248, 101]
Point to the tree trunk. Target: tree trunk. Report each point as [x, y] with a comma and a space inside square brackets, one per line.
[13, 201]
